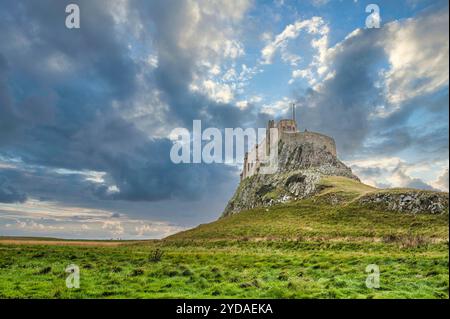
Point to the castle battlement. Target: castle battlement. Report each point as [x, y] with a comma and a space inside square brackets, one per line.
[288, 134]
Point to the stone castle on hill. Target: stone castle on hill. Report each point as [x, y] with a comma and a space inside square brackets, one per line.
[302, 160]
[288, 134]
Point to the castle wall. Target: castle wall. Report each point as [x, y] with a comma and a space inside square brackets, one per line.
[317, 139]
[287, 126]
[252, 160]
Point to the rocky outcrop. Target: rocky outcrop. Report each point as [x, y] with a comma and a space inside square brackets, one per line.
[300, 168]
[411, 201]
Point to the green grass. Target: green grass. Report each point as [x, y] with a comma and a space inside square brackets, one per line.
[305, 249]
[278, 270]
[343, 184]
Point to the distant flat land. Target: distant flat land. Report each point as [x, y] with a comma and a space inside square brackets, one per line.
[65, 242]
[304, 249]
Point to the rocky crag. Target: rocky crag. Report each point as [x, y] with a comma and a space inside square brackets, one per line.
[407, 200]
[300, 169]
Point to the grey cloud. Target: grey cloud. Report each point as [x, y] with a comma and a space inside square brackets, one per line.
[397, 134]
[383, 185]
[376, 175]
[344, 106]
[442, 181]
[410, 182]
[368, 171]
[9, 193]
[69, 120]
[178, 59]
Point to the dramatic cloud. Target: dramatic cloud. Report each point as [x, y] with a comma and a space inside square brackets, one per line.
[403, 180]
[46, 218]
[418, 52]
[85, 111]
[314, 25]
[9, 193]
[376, 80]
[442, 181]
[384, 172]
[341, 104]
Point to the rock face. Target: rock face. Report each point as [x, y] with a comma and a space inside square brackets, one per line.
[300, 168]
[412, 201]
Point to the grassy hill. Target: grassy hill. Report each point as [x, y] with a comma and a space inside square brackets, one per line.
[314, 248]
[333, 215]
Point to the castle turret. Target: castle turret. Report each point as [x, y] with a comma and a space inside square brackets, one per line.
[287, 126]
[245, 168]
[270, 124]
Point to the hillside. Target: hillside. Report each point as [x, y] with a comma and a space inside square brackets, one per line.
[343, 210]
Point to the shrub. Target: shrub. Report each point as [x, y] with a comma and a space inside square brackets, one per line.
[283, 276]
[413, 241]
[186, 272]
[156, 256]
[407, 241]
[390, 238]
[254, 283]
[170, 272]
[45, 270]
[116, 269]
[137, 272]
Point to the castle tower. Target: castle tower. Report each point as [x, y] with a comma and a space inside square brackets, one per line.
[293, 113]
[245, 169]
[270, 124]
[288, 125]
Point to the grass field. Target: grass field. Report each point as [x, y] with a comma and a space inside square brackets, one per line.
[313, 248]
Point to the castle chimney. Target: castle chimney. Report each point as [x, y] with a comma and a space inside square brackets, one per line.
[293, 112]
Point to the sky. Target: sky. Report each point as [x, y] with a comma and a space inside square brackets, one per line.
[86, 113]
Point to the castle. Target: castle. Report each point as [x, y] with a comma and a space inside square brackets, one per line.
[289, 134]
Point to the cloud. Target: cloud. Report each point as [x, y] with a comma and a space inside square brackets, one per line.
[115, 227]
[192, 37]
[155, 227]
[315, 25]
[277, 107]
[340, 106]
[101, 109]
[403, 180]
[52, 218]
[34, 226]
[353, 101]
[319, 3]
[387, 172]
[221, 93]
[9, 193]
[442, 181]
[417, 50]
